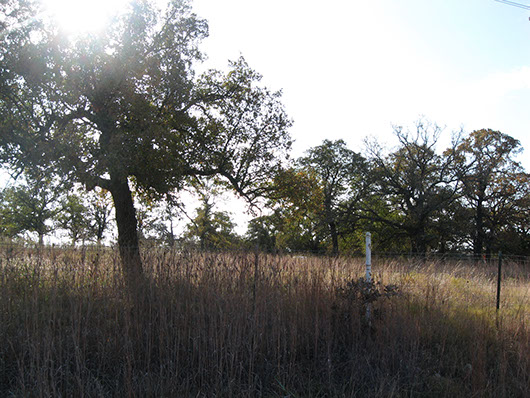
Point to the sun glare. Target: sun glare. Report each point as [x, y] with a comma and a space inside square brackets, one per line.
[83, 16]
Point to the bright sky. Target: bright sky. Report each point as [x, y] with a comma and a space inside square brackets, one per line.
[350, 69]
[82, 15]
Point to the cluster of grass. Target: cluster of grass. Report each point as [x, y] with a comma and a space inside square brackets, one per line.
[242, 324]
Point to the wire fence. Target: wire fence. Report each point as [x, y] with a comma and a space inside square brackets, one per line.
[10, 248]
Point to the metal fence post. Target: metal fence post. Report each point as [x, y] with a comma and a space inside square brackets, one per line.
[499, 282]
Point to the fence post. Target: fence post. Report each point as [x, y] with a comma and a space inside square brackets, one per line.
[499, 282]
[368, 274]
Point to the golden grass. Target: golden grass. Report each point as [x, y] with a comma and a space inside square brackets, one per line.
[242, 324]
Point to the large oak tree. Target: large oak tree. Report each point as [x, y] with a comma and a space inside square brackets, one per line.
[495, 185]
[125, 107]
[413, 184]
[339, 170]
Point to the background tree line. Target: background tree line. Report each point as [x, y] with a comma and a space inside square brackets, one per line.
[473, 196]
[415, 198]
[40, 205]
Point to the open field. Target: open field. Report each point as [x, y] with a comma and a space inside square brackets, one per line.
[242, 324]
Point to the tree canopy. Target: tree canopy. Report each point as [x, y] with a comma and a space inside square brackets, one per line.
[415, 182]
[338, 168]
[28, 208]
[495, 186]
[414, 198]
[126, 107]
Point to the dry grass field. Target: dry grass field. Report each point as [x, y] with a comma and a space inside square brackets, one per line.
[241, 324]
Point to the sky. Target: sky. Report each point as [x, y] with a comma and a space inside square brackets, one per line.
[353, 69]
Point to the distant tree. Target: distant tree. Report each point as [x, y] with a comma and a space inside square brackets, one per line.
[156, 218]
[30, 207]
[162, 225]
[413, 183]
[508, 220]
[493, 181]
[294, 207]
[73, 217]
[513, 236]
[337, 169]
[372, 213]
[124, 108]
[212, 229]
[261, 232]
[146, 216]
[170, 214]
[99, 207]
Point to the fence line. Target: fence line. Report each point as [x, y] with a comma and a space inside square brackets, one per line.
[464, 255]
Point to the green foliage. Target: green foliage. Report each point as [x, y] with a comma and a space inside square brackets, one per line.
[125, 106]
[414, 184]
[74, 218]
[261, 232]
[413, 199]
[295, 199]
[339, 171]
[124, 110]
[30, 207]
[495, 188]
[99, 207]
[297, 204]
[211, 229]
[309, 200]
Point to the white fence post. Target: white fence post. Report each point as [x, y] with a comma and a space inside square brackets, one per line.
[369, 274]
[368, 257]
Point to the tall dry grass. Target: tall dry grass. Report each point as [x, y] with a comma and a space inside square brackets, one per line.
[241, 324]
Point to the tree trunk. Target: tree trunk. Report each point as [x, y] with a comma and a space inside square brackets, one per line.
[330, 218]
[171, 233]
[334, 237]
[127, 231]
[418, 241]
[421, 242]
[478, 242]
